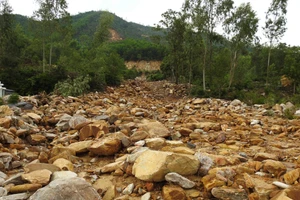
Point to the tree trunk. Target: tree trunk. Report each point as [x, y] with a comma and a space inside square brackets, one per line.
[50, 56]
[268, 67]
[233, 66]
[203, 71]
[44, 59]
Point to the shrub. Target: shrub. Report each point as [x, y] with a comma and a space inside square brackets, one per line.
[13, 98]
[1, 101]
[155, 76]
[75, 87]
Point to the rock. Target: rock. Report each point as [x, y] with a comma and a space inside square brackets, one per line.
[274, 167]
[291, 176]
[155, 143]
[64, 164]
[138, 135]
[35, 139]
[37, 118]
[105, 146]
[180, 180]
[170, 192]
[3, 192]
[39, 166]
[210, 181]
[63, 175]
[185, 131]
[277, 129]
[5, 122]
[236, 102]
[80, 147]
[128, 189]
[146, 196]
[262, 188]
[5, 111]
[206, 163]
[154, 165]
[265, 156]
[77, 122]
[155, 129]
[20, 196]
[103, 184]
[25, 188]
[41, 177]
[5, 160]
[292, 193]
[67, 189]
[63, 123]
[96, 130]
[110, 194]
[229, 193]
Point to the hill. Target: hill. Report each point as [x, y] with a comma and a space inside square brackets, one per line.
[86, 24]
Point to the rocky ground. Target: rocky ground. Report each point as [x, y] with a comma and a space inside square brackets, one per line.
[147, 141]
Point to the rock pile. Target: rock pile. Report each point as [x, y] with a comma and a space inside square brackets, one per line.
[141, 141]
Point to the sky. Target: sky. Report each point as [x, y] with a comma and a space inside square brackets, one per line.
[148, 12]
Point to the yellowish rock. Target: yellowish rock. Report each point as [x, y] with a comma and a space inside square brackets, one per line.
[64, 164]
[39, 176]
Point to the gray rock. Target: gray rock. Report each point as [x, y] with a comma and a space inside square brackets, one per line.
[20, 196]
[206, 163]
[63, 174]
[128, 189]
[180, 180]
[229, 193]
[67, 189]
[146, 196]
[3, 192]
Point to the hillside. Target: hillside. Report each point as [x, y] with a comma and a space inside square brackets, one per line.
[86, 24]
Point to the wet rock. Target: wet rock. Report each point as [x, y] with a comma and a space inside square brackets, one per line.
[170, 192]
[41, 177]
[154, 165]
[66, 189]
[180, 180]
[229, 193]
[105, 147]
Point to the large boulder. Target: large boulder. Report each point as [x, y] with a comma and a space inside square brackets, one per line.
[67, 189]
[154, 165]
[154, 129]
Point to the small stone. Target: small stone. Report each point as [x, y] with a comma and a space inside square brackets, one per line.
[180, 180]
[291, 176]
[171, 192]
[25, 188]
[229, 193]
[105, 147]
[274, 167]
[64, 164]
[128, 189]
[39, 177]
[63, 174]
[265, 156]
[146, 196]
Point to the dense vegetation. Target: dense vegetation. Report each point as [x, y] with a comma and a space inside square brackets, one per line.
[53, 51]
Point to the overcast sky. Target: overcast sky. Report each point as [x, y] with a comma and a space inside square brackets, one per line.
[148, 12]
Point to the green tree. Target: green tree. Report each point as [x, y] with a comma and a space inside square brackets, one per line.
[240, 28]
[275, 25]
[206, 15]
[49, 14]
[102, 33]
[175, 24]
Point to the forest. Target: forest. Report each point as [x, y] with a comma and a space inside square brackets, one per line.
[55, 52]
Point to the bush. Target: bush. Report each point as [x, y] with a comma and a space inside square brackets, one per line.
[155, 76]
[75, 87]
[131, 73]
[13, 98]
[1, 101]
